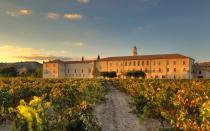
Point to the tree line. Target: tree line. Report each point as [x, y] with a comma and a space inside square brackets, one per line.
[130, 74]
[13, 72]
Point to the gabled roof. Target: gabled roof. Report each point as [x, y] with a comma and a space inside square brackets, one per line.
[145, 57]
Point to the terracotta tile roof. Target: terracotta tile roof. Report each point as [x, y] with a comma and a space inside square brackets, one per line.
[120, 58]
[78, 62]
[69, 62]
[55, 61]
[145, 57]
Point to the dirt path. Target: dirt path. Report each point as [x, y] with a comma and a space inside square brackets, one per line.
[116, 113]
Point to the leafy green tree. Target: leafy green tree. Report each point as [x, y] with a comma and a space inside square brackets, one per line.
[38, 72]
[136, 74]
[9, 72]
[32, 73]
[111, 74]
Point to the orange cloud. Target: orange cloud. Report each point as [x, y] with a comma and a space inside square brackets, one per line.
[53, 16]
[73, 16]
[11, 53]
[25, 12]
[79, 44]
[21, 12]
[83, 1]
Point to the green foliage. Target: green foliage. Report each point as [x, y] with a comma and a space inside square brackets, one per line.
[32, 73]
[9, 72]
[111, 74]
[181, 104]
[136, 74]
[50, 104]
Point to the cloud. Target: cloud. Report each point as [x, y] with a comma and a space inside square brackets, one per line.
[11, 13]
[73, 16]
[21, 12]
[78, 44]
[53, 16]
[83, 1]
[25, 12]
[44, 58]
[11, 53]
[73, 44]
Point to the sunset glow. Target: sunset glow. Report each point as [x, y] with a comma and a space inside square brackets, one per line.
[39, 30]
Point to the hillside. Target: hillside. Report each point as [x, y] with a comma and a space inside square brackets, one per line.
[22, 65]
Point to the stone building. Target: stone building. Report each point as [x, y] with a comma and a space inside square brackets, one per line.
[167, 66]
[201, 70]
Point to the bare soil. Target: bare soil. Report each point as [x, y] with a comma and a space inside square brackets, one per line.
[115, 114]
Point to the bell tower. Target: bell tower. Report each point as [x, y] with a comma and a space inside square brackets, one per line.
[134, 51]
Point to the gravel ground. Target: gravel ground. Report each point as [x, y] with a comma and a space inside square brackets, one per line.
[115, 114]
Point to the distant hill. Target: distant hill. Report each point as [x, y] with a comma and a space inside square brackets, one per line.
[22, 65]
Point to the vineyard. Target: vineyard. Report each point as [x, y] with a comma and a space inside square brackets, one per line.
[177, 104]
[30, 104]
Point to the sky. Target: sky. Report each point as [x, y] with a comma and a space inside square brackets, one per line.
[69, 29]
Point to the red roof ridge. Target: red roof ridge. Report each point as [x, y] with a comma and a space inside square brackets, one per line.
[119, 58]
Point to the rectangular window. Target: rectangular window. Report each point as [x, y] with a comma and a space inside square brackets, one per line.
[138, 63]
[75, 71]
[159, 69]
[184, 69]
[159, 63]
[142, 63]
[168, 69]
[126, 63]
[184, 62]
[146, 70]
[154, 63]
[82, 71]
[174, 62]
[174, 69]
[134, 63]
[129, 63]
[147, 62]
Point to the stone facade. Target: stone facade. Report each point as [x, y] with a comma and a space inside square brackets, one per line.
[201, 70]
[168, 66]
